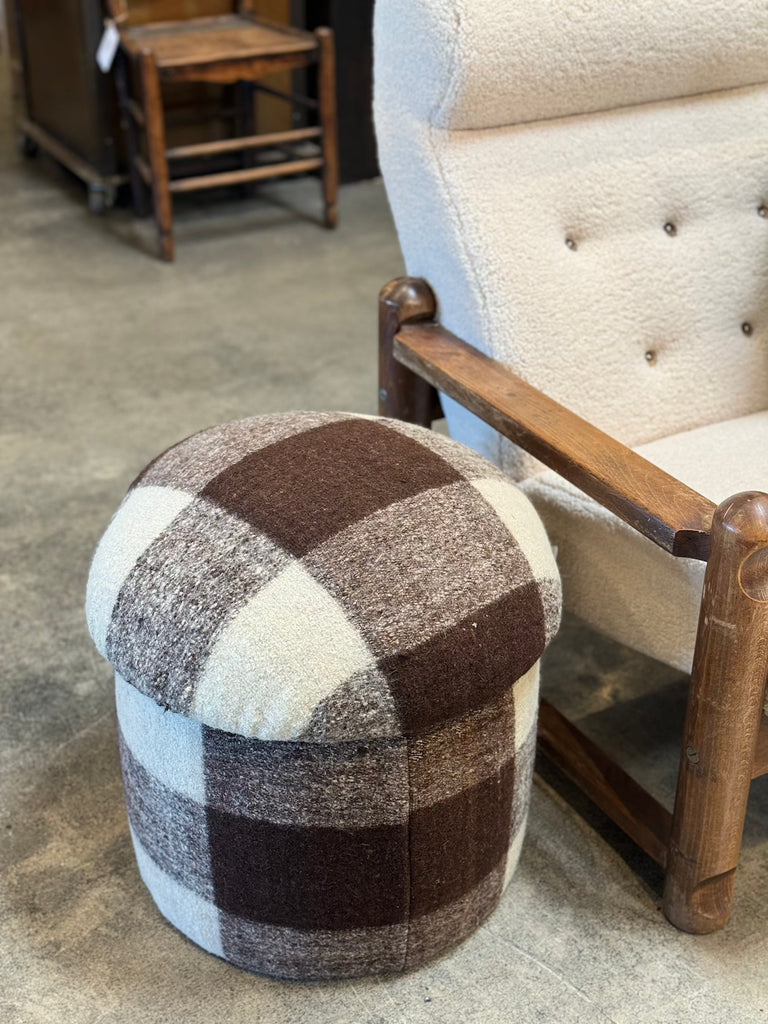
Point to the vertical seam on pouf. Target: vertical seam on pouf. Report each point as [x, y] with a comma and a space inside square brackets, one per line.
[409, 922]
[211, 864]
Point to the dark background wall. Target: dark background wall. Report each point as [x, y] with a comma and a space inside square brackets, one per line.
[352, 22]
[57, 83]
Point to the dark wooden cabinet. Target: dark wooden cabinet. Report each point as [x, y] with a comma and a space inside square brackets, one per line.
[65, 96]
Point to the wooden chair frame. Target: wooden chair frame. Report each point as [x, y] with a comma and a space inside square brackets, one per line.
[136, 62]
[725, 738]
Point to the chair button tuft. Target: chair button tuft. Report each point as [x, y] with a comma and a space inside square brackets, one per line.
[746, 328]
[762, 210]
[571, 243]
[670, 228]
[650, 357]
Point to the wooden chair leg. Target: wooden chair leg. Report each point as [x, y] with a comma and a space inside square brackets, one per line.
[724, 709]
[122, 82]
[326, 89]
[403, 395]
[154, 124]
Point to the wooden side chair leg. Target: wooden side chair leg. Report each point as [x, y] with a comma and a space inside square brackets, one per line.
[154, 124]
[326, 89]
[403, 395]
[138, 186]
[722, 722]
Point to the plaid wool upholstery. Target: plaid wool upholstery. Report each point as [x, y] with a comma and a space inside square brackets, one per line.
[326, 631]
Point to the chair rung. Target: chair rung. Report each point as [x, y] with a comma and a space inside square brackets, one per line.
[246, 174]
[135, 111]
[245, 142]
[605, 782]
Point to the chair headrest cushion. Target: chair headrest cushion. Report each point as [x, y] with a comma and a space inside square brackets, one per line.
[487, 63]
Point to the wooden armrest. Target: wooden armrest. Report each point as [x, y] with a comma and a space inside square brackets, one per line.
[654, 503]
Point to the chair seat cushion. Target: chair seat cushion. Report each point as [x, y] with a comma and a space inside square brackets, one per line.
[622, 583]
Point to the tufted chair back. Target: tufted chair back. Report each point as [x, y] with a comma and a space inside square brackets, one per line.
[585, 185]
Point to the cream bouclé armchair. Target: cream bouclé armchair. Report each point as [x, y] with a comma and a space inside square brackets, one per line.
[581, 194]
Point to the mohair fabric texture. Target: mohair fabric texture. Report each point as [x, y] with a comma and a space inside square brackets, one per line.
[326, 631]
[585, 187]
[533, 154]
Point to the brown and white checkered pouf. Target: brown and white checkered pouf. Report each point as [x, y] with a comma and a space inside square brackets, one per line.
[326, 631]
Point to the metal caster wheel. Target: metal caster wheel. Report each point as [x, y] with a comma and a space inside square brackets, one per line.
[28, 147]
[100, 199]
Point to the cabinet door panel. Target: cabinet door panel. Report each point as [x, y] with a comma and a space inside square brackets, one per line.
[64, 91]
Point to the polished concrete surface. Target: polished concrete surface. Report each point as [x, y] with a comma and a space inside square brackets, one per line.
[109, 356]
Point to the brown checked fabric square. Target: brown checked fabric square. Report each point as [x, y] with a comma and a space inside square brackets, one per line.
[301, 491]
[471, 663]
[195, 461]
[309, 877]
[457, 842]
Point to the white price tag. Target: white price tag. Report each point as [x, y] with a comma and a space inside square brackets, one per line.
[110, 40]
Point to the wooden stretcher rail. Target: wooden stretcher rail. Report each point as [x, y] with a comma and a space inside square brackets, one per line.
[247, 174]
[67, 157]
[242, 143]
[642, 817]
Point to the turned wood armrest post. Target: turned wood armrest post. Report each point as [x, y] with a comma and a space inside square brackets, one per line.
[722, 723]
[403, 394]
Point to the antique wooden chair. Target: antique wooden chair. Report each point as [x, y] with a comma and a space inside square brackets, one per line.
[585, 187]
[234, 49]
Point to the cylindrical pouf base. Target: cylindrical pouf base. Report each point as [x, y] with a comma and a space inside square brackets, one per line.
[310, 861]
[326, 630]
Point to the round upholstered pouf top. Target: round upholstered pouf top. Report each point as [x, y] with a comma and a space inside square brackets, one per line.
[326, 631]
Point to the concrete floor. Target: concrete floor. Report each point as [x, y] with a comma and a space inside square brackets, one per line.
[109, 356]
